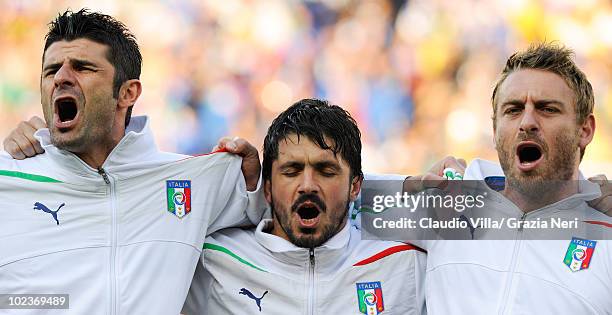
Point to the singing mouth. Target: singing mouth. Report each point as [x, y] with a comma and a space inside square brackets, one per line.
[66, 108]
[529, 155]
[308, 213]
[66, 111]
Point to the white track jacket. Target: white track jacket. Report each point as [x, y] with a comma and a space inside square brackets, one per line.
[524, 276]
[124, 239]
[253, 272]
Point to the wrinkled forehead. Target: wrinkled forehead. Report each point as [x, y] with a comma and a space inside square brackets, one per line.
[303, 150]
[78, 49]
[535, 85]
[302, 145]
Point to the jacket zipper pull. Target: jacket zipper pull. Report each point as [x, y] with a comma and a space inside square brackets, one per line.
[522, 220]
[102, 172]
[312, 258]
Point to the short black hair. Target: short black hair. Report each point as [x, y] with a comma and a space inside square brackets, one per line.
[123, 52]
[315, 119]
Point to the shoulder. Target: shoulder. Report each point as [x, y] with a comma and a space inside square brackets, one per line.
[377, 176]
[595, 217]
[37, 163]
[365, 252]
[170, 156]
[235, 240]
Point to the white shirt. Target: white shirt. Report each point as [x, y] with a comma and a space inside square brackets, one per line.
[292, 280]
[522, 276]
[115, 248]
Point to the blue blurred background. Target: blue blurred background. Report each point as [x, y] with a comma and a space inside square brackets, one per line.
[417, 75]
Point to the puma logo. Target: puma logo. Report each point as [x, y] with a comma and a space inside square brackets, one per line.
[40, 206]
[248, 293]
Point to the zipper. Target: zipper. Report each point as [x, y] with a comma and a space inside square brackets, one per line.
[102, 172]
[311, 282]
[514, 259]
[113, 258]
[513, 262]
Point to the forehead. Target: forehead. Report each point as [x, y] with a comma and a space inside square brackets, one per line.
[303, 149]
[81, 49]
[537, 85]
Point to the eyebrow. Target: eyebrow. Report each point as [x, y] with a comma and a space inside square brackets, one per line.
[538, 103]
[292, 164]
[73, 62]
[327, 164]
[317, 165]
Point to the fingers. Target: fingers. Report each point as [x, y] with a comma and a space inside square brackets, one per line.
[24, 144]
[37, 122]
[463, 163]
[251, 166]
[237, 146]
[419, 183]
[227, 143]
[604, 184]
[434, 177]
[603, 203]
[598, 178]
[458, 165]
[27, 129]
[21, 143]
[12, 148]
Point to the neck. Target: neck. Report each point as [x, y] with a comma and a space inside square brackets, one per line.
[96, 155]
[554, 191]
[277, 229]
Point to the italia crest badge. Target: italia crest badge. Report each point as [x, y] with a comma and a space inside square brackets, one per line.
[579, 254]
[370, 297]
[179, 197]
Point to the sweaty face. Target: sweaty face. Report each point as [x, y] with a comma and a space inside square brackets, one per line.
[77, 94]
[309, 191]
[537, 137]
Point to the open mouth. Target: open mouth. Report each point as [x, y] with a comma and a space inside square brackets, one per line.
[66, 109]
[308, 213]
[66, 112]
[529, 155]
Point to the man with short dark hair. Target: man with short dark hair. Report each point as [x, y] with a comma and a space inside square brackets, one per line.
[103, 216]
[307, 259]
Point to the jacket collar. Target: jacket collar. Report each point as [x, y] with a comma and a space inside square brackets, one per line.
[326, 254]
[137, 145]
[480, 169]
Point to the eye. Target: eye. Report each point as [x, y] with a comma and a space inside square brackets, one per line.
[290, 173]
[84, 68]
[328, 172]
[50, 72]
[512, 111]
[550, 110]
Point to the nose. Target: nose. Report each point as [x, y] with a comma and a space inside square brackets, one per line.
[308, 184]
[529, 123]
[64, 76]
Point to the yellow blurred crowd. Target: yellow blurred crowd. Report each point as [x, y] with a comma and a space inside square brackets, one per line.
[417, 75]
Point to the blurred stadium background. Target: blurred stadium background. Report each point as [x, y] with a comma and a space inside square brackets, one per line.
[417, 75]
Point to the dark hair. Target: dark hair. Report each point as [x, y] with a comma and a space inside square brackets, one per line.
[316, 120]
[123, 52]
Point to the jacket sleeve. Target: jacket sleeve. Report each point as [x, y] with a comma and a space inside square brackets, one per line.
[232, 205]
